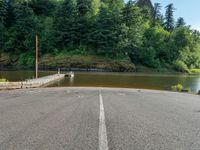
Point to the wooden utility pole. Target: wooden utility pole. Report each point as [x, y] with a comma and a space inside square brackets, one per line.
[36, 56]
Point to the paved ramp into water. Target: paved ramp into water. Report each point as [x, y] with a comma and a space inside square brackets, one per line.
[98, 118]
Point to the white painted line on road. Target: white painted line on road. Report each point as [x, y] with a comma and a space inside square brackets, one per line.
[103, 143]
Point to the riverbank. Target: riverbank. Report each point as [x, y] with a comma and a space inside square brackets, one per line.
[83, 62]
[68, 62]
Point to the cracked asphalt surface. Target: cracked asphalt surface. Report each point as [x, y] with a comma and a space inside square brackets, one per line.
[68, 119]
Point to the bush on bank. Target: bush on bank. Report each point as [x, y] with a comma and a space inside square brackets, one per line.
[177, 88]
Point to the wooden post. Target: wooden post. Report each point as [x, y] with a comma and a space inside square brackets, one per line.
[36, 56]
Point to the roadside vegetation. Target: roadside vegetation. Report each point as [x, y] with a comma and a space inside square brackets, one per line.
[177, 88]
[97, 34]
[3, 80]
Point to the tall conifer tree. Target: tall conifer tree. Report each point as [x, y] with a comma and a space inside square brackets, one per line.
[169, 17]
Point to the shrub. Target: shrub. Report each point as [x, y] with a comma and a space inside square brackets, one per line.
[180, 66]
[177, 87]
[26, 60]
[148, 58]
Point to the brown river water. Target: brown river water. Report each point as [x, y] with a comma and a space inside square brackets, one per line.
[119, 80]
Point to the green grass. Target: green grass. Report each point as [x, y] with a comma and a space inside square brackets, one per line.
[195, 71]
[3, 80]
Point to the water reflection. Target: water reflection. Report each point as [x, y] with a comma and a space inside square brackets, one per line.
[71, 81]
[197, 85]
[123, 80]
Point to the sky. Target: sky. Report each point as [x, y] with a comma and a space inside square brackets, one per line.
[188, 9]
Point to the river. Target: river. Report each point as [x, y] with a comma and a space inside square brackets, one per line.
[123, 80]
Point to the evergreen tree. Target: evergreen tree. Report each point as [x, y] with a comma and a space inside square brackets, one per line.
[22, 38]
[196, 35]
[95, 7]
[2, 10]
[84, 7]
[146, 3]
[46, 33]
[65, 32]
[133, 29]
[106, 36]
[10, 18]
[180, 22]
[86, 12]
[42, 7]
[100, 27]
[157, 16]
[3, 14]
[169, 17]
[147, 9]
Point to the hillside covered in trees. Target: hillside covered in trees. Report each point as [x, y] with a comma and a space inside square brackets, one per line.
[105, 34]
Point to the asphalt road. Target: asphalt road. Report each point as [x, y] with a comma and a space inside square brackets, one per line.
[98, 118]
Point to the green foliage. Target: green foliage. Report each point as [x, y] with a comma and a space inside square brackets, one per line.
[169, 17]
[26, 60]
[106, 33]
[181, 36]
[22, 32]
[180, 66]
[177, 88]
[65, 25]
[157, 16]
[107, 28]
[3, 80]
[147, 8]
[3, 13]
[133, 28]
[180, 22]
[3, 10]
[42, 7]
[148, 58]
[144, 3]
[154, 49]
[46, 35]
[195, 71]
